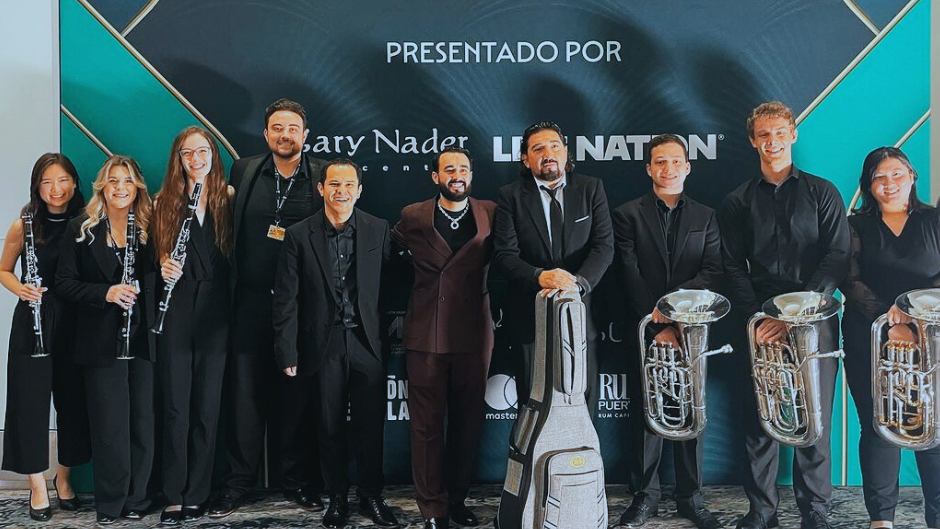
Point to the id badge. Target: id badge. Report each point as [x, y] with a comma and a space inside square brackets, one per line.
[275, 232]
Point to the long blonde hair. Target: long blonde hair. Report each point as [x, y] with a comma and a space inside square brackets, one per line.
[96, 210]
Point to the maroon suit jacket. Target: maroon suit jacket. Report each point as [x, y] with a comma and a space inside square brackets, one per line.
[449, 308]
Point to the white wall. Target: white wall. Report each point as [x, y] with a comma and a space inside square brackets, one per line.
[29, 114]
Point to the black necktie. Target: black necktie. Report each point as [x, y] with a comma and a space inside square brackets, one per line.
[557, 227]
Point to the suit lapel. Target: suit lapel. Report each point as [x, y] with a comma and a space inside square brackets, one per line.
[321, 251]
[686, 221]
[244, 189]
[573, 212]
[105, 257]
[435, 240]
[651, 221]
[532, 202]
[365, 239]
[478, 212]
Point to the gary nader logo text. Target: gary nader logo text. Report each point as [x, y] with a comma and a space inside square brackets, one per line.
[608, 148]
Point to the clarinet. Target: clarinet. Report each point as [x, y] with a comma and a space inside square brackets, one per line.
[33, 278]
[127, 278]
[178, 254]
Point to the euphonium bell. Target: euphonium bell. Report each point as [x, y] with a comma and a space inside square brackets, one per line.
[786, 375]
[674, 379]
[905, 375]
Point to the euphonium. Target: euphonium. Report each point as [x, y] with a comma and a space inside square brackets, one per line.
[906, 377]
[786, 375]
[674, 379]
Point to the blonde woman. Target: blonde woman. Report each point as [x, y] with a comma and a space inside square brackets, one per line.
[119, 392]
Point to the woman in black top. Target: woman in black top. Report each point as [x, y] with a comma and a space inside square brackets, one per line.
[191, 351]
[895, 248]
[53, 200]
[119, 392]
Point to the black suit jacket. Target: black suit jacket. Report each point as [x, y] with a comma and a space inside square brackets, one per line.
[242, 177]
[304, 309]
[523, 248]
[85, 272]
[641, 252]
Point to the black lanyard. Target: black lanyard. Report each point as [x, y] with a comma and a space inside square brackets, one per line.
[281, 200]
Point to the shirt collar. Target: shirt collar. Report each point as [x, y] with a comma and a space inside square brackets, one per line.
[349, 229]
[561, 183]
[794, 173]
[301, 169]
[661, 204]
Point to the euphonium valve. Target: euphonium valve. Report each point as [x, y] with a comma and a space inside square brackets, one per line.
[905, 375]
[674, 379]
[786, 375]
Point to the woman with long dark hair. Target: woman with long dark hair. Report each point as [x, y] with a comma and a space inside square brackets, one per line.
[895, 248]
[119, 392]
[191, 350]
[54, 198]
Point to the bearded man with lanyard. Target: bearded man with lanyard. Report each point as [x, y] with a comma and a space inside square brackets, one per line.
[272, 192]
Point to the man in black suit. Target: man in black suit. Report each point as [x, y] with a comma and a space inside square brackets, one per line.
[326, 318]
[664, 241]
[552, 231]
[272, 192]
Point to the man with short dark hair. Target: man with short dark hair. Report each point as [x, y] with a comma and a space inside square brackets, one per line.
[664, 241]
[448, 336]
[552, 231]
[784, 231]
[326, 314]
[272, 192]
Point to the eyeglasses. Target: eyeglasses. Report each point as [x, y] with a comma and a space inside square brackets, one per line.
[202, 152]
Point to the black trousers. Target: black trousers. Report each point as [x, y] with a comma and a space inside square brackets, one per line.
[812, 467]
[300, 458]
[191, 367]
[351, 378]
[524, 374]
[251, 392]
[31, 384]
[648, 450]
[880, 460]
[121, 415]
[442, 459]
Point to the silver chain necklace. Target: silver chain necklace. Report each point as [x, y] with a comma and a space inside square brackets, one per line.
[454, 221]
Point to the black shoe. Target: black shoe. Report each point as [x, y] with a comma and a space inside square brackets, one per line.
[309, 501]
[40, 515]
[436, 523]
[462, 515]
[191, 514]
[66, 504]
[336, 513]
[105, 519]
[701, 517]
[753, 520]
[375, 508]
[639, 512]
[132, 514]
[817, 520]
[171, 517]
[224, 505]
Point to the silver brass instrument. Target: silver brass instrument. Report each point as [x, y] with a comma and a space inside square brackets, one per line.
[786, 375]
[127, 278]
[32, 277]
[178, 254]
[674, 379]
[905, 375]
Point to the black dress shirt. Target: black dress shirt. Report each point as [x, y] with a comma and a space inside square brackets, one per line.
[783, 238]
[669, 223]
[257, 253]
[466, 230]
[885, 265]
[342, 249]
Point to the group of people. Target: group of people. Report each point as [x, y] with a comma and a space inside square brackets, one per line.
[276, 294]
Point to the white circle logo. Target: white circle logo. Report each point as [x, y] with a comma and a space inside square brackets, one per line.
[501, 392]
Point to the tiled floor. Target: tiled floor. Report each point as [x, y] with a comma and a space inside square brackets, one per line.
[272, 511]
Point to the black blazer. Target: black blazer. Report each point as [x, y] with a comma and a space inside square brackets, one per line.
[304, 309]
[522, 247]
[641, 251]
[85, 273]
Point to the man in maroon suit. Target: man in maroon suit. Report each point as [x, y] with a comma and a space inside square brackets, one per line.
[448, 336]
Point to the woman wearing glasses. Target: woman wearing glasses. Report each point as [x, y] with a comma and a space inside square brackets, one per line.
[192, 345]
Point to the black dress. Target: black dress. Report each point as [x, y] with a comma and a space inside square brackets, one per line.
[31, 381]
[883, 267]
[191, 356]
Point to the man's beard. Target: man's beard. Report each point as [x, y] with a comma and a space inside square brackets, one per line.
[454, 197]
[294, 150]
[549, 175]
